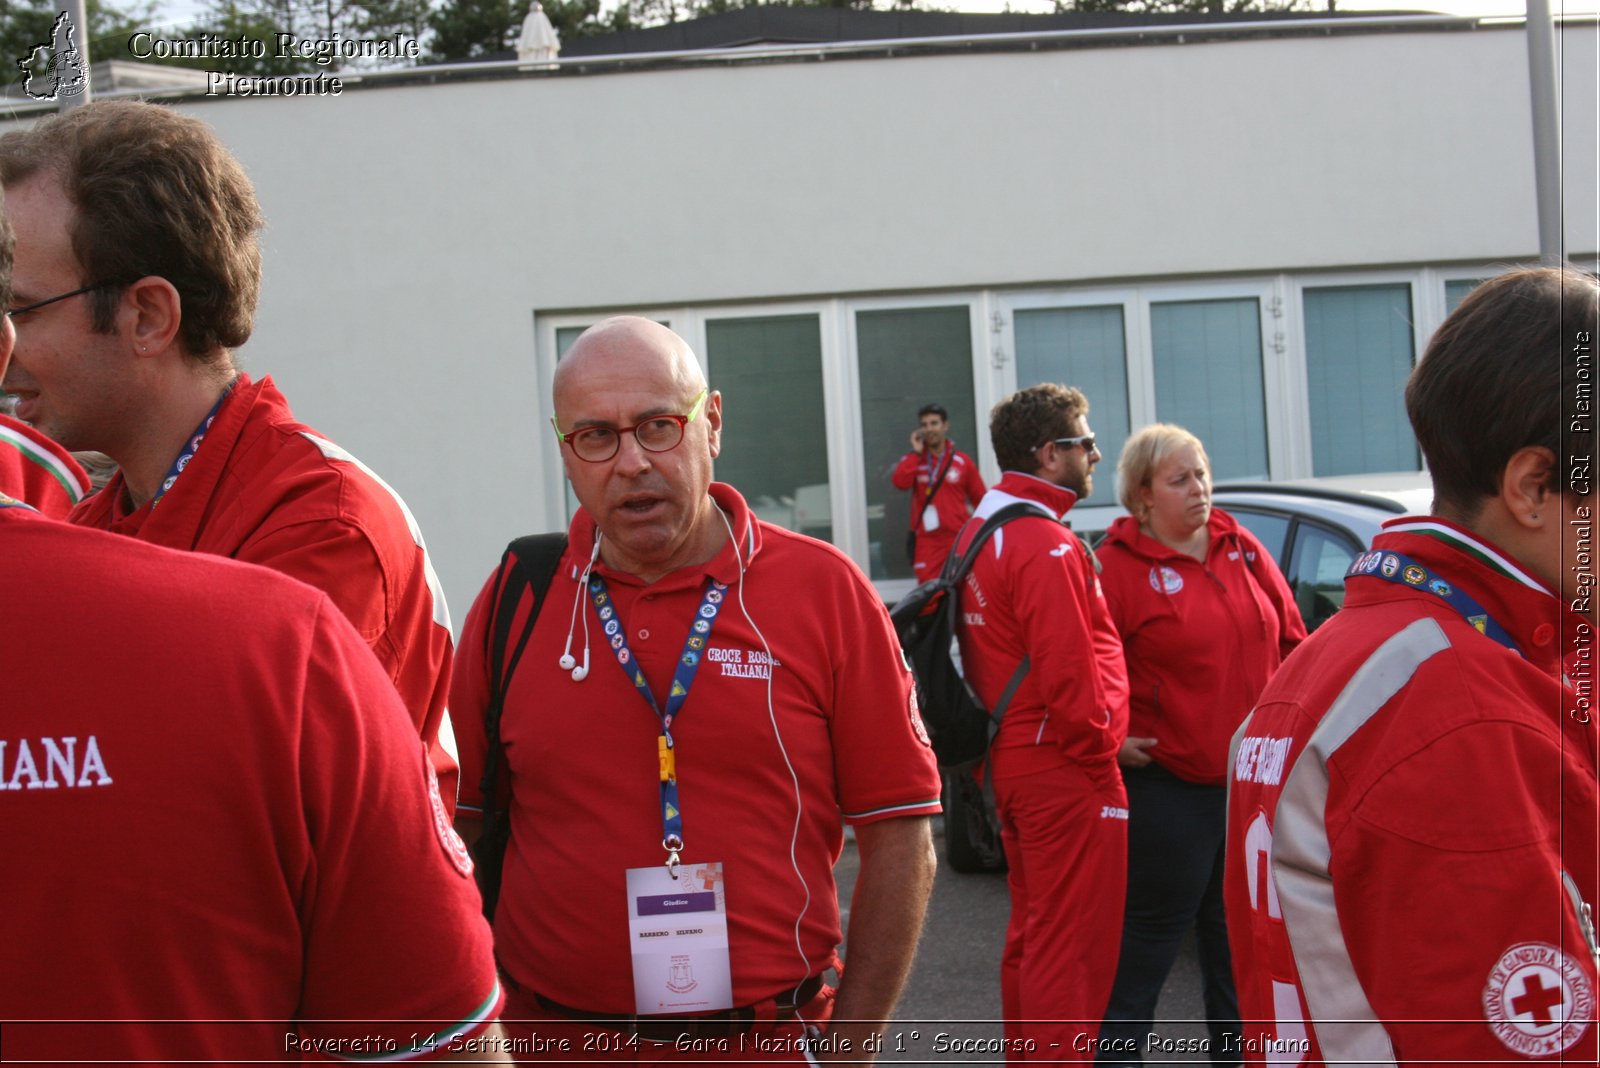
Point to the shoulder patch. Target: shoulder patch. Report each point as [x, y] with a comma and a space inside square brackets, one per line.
[454, 847]
[920, 728]
[1538, 1001]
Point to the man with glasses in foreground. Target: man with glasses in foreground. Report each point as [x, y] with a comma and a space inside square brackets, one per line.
[1034, 592]
[222, 844]
[704, 695]
[137, 272]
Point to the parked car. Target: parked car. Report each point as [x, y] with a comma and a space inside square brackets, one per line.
[1313, 528]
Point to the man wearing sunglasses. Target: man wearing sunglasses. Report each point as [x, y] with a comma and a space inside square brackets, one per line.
[1034, 592]
[705, 700]
[131, 293]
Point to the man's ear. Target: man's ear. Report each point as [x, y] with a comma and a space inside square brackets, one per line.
[713, 419]
[8, 341]
[1528, 488]
[150, 314]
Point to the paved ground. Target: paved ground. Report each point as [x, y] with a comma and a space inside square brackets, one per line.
[955, 986]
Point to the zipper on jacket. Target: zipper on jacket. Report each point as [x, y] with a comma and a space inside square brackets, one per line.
[1585, 917]
[1239, 627]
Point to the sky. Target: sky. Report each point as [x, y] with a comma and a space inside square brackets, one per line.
[179, 11]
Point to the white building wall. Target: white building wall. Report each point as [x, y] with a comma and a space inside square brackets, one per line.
[415, 231]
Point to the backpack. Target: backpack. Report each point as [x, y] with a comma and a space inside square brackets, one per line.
[924, 620]
[529, 563]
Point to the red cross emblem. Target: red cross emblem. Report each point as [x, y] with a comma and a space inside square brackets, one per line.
[1538, 1000]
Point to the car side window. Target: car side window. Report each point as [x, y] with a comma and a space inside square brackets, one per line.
[1316, 572]
[1270, 529]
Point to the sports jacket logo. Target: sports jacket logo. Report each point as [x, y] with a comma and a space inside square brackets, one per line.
[65, 74]
[1164, 579]
[1538, 1001]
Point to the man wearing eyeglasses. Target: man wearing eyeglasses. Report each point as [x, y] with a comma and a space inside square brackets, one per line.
[131, 293]
[1035, 593]
[945, 486]
[704, 701]
[219, 825]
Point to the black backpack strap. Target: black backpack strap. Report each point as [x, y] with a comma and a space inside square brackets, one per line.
[955, 569]
[1007, 694]
[528, 565]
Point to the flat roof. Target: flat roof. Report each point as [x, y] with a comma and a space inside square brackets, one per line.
[780, 34]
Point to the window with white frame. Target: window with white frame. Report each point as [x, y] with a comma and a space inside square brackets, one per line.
[820, 397]
[905, 358]
[774, 432]
[1359, 352]
[1206, 358]
[1084, 347]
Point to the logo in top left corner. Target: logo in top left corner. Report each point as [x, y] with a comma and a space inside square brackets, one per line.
[65, 74]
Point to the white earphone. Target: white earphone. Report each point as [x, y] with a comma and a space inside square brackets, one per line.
[567, 661]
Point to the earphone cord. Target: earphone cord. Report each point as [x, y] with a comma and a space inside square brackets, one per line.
[794, 778]
[567, 663]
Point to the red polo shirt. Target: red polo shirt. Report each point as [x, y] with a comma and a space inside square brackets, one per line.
[800, 713]
[215, 810]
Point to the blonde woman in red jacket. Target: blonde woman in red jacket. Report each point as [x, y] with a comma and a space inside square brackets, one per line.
[1205, 618]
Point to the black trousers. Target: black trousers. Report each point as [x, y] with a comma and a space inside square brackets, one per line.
[1176, 831]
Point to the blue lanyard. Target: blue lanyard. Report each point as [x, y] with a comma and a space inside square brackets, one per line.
[189, 449]
[682, 679]
[1404, 571]
[12, 502]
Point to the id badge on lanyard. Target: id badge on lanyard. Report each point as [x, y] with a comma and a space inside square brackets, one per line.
[679, 931]
[677, 912]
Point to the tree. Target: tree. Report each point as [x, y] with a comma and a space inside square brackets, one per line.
[471, 29]
[287, 36]
[25, 31]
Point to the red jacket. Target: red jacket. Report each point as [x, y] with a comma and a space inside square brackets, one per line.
[268, 490]
[1033, 592]
[1412, 823]
[37, 471]
[1201, 640]
[959, 494]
